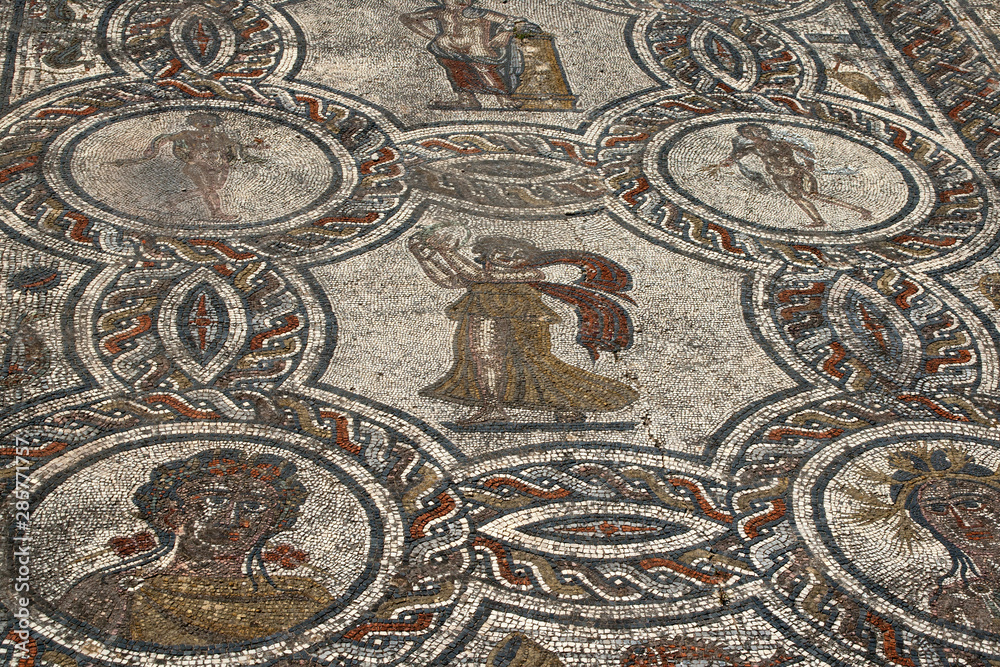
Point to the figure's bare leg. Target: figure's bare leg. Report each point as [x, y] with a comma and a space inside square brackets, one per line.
[491, 76]
[488, 339]
[214, 202]
[208, 180]
[196, 172]
[217, 176]
[496, 81]
[863, 212]
[809, 208]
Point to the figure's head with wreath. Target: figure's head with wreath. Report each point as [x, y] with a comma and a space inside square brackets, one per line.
[212, 514]
[204, 121]
[220, 506]
[947, 493]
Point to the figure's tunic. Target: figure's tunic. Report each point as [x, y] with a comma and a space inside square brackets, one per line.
[177, 610]
[535, 378]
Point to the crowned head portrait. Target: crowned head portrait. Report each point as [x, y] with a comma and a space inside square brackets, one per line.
[942, 495]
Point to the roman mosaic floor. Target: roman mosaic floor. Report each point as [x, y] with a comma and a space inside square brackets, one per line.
[500, 333]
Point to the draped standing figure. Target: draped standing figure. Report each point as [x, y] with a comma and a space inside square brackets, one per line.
[502, 345]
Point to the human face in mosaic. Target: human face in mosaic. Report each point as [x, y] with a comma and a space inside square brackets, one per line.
[203, 121]
[965, 513]
[507, 257]
[222, 518]
[755, 132]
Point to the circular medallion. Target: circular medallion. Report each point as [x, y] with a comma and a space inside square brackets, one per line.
[232, 537]
[218, 169]
[790, 179]
[910, 525]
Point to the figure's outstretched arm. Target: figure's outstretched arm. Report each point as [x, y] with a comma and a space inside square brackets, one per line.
[497, 17]
[509, 27]
[243, 151]
[417, 22]
[804, 151]
[443, 264]
[522, 26]
[738, 153]
[150, 152]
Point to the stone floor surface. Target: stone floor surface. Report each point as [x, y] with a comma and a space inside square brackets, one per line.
[501, 333]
